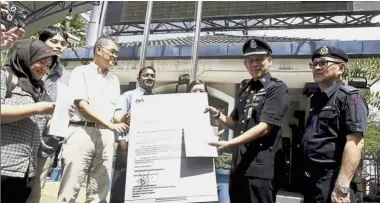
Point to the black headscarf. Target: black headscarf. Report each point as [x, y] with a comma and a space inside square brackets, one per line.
[20, 61]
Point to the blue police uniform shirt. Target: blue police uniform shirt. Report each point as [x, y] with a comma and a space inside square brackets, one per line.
[336, 112]
[124, 104]
[264, 100]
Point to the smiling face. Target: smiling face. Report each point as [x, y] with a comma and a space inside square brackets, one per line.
[41, 67]
[147, 79]
[58, 44]
[327, 69]
[108, 53]
[257, 66]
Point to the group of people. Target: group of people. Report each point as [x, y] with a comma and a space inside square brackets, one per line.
[332, 141]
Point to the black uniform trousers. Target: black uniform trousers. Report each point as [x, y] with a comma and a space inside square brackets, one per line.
[320, 184]
[244, 189]
[14, 190]
[119, 177]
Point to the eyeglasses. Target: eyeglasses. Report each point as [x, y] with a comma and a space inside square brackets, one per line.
[323, 64]
[112, 51]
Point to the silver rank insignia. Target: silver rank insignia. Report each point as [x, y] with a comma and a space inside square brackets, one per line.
[324, 50]
[253, 44]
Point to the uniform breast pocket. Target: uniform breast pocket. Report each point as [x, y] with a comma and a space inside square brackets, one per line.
[258, 103]
[328, 119]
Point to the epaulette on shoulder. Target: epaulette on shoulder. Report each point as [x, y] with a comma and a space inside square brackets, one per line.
[348, 89]
[275, 80]
[244, 82]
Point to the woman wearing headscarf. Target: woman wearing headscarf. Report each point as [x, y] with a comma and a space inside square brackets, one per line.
[25, 106]
[198, 86]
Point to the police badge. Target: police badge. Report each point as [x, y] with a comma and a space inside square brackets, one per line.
[324, 50]
[253, 44]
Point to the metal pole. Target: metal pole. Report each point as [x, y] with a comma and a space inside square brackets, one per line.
[194, 60]
[92, 29]
[146, 34]
[102, 18]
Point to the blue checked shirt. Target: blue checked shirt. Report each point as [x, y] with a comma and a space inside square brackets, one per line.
[20, 140]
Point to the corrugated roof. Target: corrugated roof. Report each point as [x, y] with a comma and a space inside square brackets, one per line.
[215, 39]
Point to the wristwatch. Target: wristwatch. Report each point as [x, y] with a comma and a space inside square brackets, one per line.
[343, 189]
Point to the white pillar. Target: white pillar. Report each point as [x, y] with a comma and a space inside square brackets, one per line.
[194, 60]
[93, 26]
[102, 18]
[144, 43]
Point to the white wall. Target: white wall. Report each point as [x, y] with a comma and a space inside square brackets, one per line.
[294, 72]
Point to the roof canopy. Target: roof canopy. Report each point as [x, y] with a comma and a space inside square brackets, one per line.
[41, 14]
[215, 39]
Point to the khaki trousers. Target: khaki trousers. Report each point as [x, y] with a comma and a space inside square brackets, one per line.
[88, 155]
[44, 166]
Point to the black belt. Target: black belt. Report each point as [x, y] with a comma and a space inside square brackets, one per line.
[83, 123]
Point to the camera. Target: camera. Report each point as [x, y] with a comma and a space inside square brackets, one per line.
[15, 17]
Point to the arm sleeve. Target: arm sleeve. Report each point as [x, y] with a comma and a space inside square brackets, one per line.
[355, 114]
[235, 114]
[116, 97]
[124, 103]
[275, 105]
[77, 84]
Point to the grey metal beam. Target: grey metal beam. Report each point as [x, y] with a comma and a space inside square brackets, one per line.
[51, 9]
[254, 22]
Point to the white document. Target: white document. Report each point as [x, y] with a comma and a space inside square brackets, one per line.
[196, 142]
[60, 121]
[158, 169]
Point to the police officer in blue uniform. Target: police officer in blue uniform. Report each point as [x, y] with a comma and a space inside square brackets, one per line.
[256, 119]
[333, 137]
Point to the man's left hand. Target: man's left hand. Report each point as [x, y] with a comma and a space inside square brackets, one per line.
[339, 197]
[221, 145]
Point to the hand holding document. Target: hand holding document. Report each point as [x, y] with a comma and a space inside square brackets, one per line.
[171, 160]
[61, 116]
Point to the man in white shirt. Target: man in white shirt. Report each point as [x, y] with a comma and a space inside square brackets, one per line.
[146, 81]
[88, 149]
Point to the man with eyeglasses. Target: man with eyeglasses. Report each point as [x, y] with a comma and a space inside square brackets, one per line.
[257, 118]
[334, 134]
[88, 149]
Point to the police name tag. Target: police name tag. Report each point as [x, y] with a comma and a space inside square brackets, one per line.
[249, 114]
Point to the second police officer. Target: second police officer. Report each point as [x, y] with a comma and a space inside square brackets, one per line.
[333, 137]
[259, 111]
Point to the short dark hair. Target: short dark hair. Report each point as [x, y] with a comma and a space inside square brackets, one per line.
[145, 68]
[196, 82]
[103, 41]
[52, 31]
